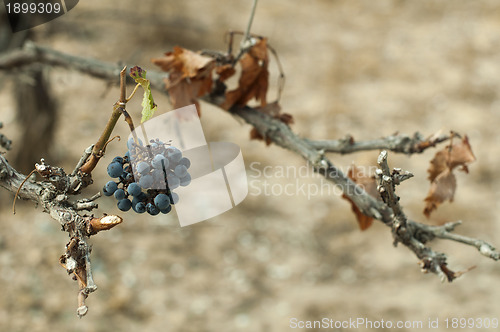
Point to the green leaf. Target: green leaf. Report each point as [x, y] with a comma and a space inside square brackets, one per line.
[148, 104]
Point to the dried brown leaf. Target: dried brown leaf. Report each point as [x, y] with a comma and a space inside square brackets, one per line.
[458, 154]
[225, 71]
[369, 184]
[190, 76]
[443, 181]
[254, 79]
[461, 153]
[442, 189]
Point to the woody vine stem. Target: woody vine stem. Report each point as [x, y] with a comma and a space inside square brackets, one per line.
[53, 193]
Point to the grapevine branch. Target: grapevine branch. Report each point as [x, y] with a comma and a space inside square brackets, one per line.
[52, 195]
[410, 233]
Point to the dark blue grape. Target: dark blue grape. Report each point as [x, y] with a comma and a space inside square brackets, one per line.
[143, 167]
[152, 209]
[146, 181]
[185, 180]
[180, 171]
[167, 210]
[111, 187]
[186, 162]
[174, 154]
[135, 200]
[140, 198]
[105, 192]
[126, 159]
[115, 169]
[174, 198]
[140, 207]
[134, 189]
[124, 204]
[162, 201]
[118, 160]
[120, 194]
[159, 161]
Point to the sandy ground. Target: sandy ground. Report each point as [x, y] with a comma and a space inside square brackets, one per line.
[365, 68]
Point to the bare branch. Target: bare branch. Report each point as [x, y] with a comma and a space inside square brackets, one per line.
[395, 143]
[32, 53]
[444, 232]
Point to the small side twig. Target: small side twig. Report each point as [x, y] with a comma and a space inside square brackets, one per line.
[249, 24]
[387, 188]
[97, 151]
[19, 189]
[85, 156]
[87, 203]
[87, 206]
[445, 232]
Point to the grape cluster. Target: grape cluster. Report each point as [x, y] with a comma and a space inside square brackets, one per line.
[159, 169]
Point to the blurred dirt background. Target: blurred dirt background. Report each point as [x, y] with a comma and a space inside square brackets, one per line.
[365, 68]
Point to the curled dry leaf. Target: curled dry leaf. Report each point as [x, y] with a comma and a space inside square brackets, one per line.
[254, 79]
[190, 76]
[225, 71]
[443, 181]
[369, 184]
